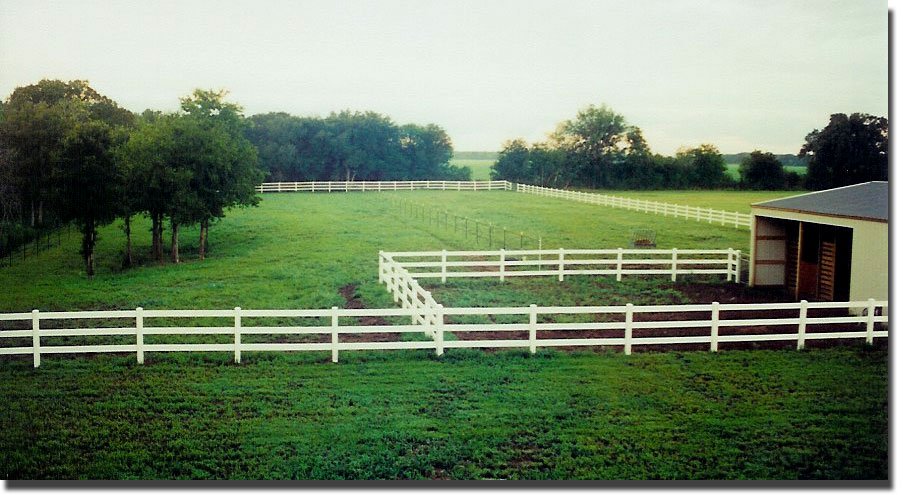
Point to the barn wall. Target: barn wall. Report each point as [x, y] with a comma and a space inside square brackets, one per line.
[869, 268]
[769, 252]
[869, 265]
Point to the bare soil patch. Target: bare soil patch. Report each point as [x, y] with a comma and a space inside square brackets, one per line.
[352, 301]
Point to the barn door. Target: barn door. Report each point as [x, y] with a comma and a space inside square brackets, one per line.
[807, 279]
[827, 268]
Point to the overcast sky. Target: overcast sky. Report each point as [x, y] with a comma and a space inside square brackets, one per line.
[742, 75]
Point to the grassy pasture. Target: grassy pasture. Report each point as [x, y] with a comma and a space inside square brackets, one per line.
[732, 415]
[297, 250]
[469, 414]
[479, 167]
[733, 170]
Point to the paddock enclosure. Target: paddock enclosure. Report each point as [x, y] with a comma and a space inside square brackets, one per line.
[419, 321]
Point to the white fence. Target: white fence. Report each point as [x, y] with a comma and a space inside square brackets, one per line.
[401, 185]
[562, 262]
[697, 213]
[238, 329]
[626, 326]
[711, 324]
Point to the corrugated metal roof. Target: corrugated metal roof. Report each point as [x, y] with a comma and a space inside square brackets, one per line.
[868, 201]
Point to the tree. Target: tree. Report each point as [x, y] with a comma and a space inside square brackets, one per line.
[149, 155]
[761, 170]
[222, 162]
[427, 151]
[87, 182]
[276, 136]
[849, 150]
[704, 166]
[513, 163]
[598, 139]
[37, 118]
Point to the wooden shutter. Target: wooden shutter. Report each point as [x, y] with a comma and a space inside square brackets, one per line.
[827, 263]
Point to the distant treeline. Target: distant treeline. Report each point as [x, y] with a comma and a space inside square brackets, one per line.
[349, 146]
[785, 159]
[599, 149]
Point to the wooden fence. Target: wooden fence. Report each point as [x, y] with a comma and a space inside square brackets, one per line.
[697, 213]
[562, 262]
[401, 185]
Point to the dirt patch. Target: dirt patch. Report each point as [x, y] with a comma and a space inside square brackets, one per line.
[353, 301]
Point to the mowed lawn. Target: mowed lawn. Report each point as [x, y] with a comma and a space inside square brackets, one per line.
[469, 414]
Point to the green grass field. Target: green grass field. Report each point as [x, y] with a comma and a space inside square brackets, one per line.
[479, 167]
[469, 414]
[733, 169]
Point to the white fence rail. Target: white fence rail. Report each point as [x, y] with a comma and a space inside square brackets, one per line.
[401, 185]
[697, 213]
[711, 324]
[132, 323]
[562, 262]
[626, 326]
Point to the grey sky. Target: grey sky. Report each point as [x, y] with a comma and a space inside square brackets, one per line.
[742, 75]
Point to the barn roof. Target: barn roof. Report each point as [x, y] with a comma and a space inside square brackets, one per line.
[866, 201]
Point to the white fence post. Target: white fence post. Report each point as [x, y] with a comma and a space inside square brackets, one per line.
[673, 264]
[237, 335]
[440, 330]
[444, 265]
[620, 260]
[539, 256]
[532, 329]
[715, 315]
[560, 264]
[628, 328]
[870, 322]
[335, 334]
[801, 340]
[36, 337]
[139, 334]
[501, 265]
[730, 263]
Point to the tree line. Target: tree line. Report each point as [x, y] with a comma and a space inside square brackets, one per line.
[347, 146]
[599, 149]
[69, 155]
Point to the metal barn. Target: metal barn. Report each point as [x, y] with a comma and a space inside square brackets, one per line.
[828, 245]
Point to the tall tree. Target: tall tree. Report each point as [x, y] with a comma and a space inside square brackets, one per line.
[427, 151]
[222, 162]
[513, 163]
[598, 139]
[88, 182]
[849, 150]
[37, 119]
[762, 170]
[149, 155]
[704, 166]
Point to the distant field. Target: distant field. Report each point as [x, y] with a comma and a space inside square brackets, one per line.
[479, 166]
[733, 169]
